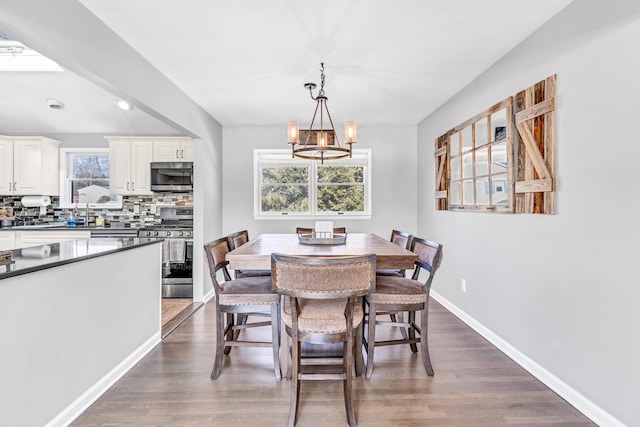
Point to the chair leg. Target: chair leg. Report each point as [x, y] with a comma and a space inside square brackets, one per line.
[412, 331]
[295, 382]
[241, 319]
[371, 340]
[424, 340]
[230, 332]
[348, 379]
[357, 350]
[403, 331]
[275, 339]
[217, 362]
[288, 357]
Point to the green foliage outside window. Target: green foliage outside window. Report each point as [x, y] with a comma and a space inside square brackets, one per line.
[285, 189]
[340, 189]
[286, 186]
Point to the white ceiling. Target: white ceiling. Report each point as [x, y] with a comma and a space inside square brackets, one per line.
[245, 61]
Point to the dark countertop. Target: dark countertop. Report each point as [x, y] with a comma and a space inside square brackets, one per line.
[39, 258]
[63, 226]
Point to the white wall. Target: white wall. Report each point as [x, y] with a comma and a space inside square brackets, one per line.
[394, 176]
[66, 333]
[562, 289]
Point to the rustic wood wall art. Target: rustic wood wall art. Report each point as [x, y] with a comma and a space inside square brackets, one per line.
[535, 121]
[475, 166]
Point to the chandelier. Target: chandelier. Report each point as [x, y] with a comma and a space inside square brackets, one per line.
[321, 143]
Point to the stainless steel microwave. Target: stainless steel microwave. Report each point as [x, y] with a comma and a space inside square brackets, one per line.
[172, 177]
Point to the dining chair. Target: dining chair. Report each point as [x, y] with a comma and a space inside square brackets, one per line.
[236, 240]
[322, 304]
[402, 239]
[399, 294]
[239, 299]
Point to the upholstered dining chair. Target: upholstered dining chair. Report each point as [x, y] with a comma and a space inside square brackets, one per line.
[239, 299]
[236, 240]
[322, 305]
[402, 239]
[399, 294]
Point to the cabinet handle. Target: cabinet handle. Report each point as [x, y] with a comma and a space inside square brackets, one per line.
[9, 185]
[14, 186]
[177, 157]
[127, 186]
[131, 185]
[182, 154]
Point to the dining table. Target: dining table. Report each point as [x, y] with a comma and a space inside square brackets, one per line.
[256, 254]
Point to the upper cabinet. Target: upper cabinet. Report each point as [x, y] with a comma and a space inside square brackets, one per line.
[29, 165]
[172, 150]
[130, 165]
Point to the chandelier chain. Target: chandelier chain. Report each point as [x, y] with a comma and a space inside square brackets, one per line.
[321, 93]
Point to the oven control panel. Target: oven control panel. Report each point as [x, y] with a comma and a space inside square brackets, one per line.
[166, 233]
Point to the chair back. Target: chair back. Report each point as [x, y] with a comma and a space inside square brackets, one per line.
[323, 277]
[401, 239]
[216, 252]
[429, 258]
[238, 239]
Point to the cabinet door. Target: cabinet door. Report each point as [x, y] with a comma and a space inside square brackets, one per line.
[27, 166]
[7, 240]
[141, 157]
[120, 167]
[166, 151]
[6, 166]
[186, 151]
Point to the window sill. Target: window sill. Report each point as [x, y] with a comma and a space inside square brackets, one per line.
[310, 217]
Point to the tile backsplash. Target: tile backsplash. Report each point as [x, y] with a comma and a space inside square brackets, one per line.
[136, 210]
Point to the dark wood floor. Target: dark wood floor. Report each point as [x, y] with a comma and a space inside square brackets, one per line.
[474, 385]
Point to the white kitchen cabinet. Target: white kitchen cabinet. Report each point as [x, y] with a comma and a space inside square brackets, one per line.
[7, 240]
[29, 166]
[27, 238]
[130, 165]
[173, 150]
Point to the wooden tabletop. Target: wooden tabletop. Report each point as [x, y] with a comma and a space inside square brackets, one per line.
[256, 254]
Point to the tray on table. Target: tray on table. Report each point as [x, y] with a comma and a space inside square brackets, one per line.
[310, 239]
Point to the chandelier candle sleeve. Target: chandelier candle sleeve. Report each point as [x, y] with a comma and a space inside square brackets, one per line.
[350, 132]
[293, 132]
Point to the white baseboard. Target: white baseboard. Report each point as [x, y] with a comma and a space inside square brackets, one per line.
[209, 296]
[580, 402]
[76, 408]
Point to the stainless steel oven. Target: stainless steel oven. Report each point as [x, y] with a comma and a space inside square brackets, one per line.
[176, 230]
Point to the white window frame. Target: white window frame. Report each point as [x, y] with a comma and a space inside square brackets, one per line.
[65, 185]
[282, 157]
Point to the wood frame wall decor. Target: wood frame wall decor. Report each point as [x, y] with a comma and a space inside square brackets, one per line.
[474, 162]
[535, 121]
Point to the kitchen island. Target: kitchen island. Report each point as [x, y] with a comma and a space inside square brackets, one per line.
[74, 317]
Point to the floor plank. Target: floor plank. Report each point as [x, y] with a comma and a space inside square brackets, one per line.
[474, 385]
[175, 311]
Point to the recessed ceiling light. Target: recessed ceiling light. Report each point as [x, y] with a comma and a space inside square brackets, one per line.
[55, 104]
[124, 105]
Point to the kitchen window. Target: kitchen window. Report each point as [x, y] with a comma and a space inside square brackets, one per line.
[85, 179]
[286, 187]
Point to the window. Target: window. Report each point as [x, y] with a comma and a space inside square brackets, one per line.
[305, 188]
[85, 179]
[478, 174]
